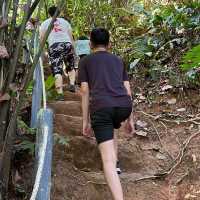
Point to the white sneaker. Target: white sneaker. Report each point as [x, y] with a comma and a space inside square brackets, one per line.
[118, 168]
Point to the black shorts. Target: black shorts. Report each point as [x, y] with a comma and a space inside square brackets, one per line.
[60, 53]
[105, 120]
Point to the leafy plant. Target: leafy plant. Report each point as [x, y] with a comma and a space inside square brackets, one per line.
[27, 146]
[24, 128]
[191, 59]
[49, 83]
[61, 140]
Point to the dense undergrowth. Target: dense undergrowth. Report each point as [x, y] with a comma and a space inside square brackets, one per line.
[150, 37]
[158, 41]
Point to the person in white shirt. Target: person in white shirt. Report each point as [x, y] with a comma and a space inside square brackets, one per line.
[82, 46]
[61, 50]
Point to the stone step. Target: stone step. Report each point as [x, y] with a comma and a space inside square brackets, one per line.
[72, 108]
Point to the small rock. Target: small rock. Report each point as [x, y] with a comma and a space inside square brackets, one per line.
[191, 127]
[194, 158]
[161, 93]
[3, 52]
[141, 133]
[17, 177]
[4, 97]
[166, 87]
[171, 101]
[142, 97]
[190, 196]
[181, 110]
[141, 124]
[160, 156]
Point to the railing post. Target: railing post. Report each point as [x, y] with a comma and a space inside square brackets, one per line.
[42, 186]
[37, 88]
[46, 121]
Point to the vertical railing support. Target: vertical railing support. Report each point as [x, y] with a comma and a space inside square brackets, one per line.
[37, 87]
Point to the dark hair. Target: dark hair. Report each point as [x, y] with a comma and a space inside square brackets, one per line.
[83, 37]
[100, 36]
[52, 10]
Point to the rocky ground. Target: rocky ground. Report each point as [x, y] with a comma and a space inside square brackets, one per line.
[161, 162]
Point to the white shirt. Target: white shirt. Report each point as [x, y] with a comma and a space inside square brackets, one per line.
[60, 31]
[82, 47]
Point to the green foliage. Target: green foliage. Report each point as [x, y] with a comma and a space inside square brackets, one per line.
[27, 146]
[30, 88]
[148, 31]
[49, 83]
[24, 128]
[61, 140]
[191, 59]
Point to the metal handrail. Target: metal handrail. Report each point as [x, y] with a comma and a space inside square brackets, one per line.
[42, 119]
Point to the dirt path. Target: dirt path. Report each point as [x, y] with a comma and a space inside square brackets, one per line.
[77, 171]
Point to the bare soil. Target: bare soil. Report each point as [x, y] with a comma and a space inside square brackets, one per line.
[163, 165]
[153, 166]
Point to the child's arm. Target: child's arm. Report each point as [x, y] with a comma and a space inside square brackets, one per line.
[130, 123]
[85, 108]
[128, 88]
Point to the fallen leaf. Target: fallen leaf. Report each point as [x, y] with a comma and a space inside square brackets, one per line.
[142, 97]
[13, 87]
[149, 54]
[160, 156]
[5, 97]
[166, 87]
[3, 23]
[194, 158]
[141, 124]
[171, 101]
[191, 127]
[141, 133]
[3, 52]
[189, 196]
[181, 110]
[17, 177]
[134, 63]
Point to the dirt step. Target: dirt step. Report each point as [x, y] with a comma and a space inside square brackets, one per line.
[132, 187]
[83, 153]
[85, 156]
[69, 96]
[98, 177]
[67, 125]
[92, 186]
[70, 183]
[72, 108]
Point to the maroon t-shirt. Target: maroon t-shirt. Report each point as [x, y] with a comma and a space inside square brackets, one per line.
[105, 74]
